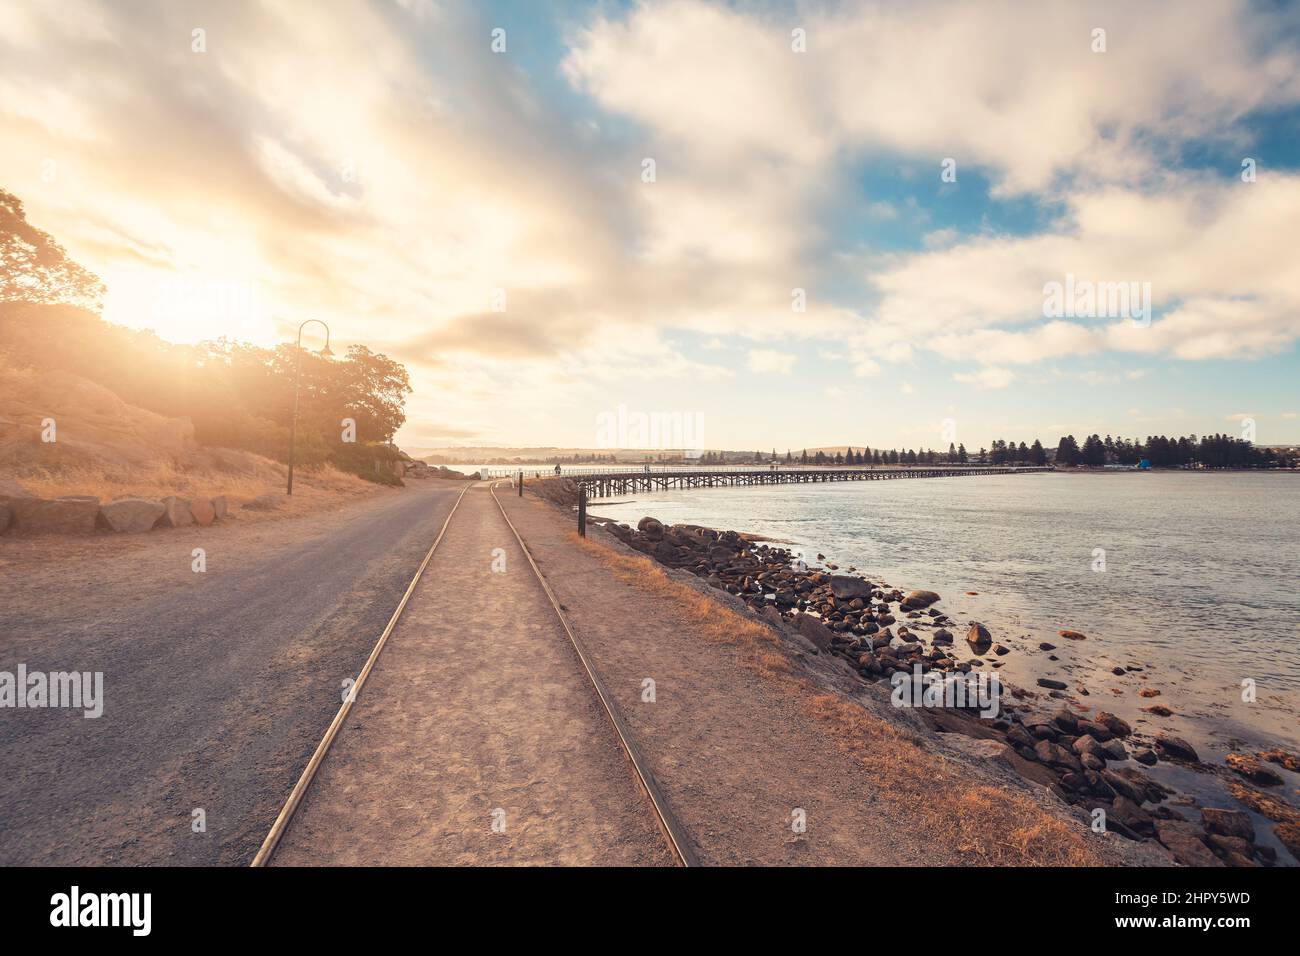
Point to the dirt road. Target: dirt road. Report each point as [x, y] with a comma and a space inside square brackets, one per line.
[476, 739]
[217, 685]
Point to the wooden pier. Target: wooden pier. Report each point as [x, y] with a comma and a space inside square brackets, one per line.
[614, 484]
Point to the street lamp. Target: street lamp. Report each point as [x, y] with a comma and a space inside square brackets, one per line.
[297, 375]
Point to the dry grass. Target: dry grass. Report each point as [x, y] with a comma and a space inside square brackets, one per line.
[719, 625]
[159, 479]
[971, 824]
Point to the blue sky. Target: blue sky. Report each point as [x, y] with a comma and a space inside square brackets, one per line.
[482, 214]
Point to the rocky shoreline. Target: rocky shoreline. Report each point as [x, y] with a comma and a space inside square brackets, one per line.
[1089, 759]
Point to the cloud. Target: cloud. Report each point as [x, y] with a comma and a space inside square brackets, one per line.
[766, 361]
[986, 378]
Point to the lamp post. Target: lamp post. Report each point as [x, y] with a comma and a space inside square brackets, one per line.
[297, 375]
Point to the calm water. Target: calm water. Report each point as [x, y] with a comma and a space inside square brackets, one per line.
[1199, 586]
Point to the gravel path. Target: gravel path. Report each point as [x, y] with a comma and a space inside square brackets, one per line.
[218, 685]
[477, 714]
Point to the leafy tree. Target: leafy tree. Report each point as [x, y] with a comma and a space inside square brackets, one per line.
[35, 268]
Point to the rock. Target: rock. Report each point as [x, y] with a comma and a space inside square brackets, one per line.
[70, 514]
[1146, 757]
[1073, 635]
[813, 629]
[1066, 720]
[12, 489]
[979, 638]
[131, 515]
[1117, 726]
[1044, 646]
[1130, 814]
[1253, 770]
[1289, 836]
[1087, 745]
[1169, 746]
[1148, 692]
[846, 587]
[919, 599]
[176, 513]
[1282, 758]
[1094, 729]
[1052, 684]
[941, 636]
[220, 506]
[1183, 839]
[6, 517]
[652, 528]
[1232, 823]
[1001, 650]
[1050, 753]
[1160, 710]
[203, 512]
[1123, 786]
[271, 502]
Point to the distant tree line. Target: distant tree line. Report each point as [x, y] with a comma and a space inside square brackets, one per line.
[1210, 451]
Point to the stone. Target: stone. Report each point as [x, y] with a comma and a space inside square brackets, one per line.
[176, 513]
[203, 512]
[1001, 650]
[1044, 646]
[919, 599]
[1282, 758]
[1131, 814]
[1183, 840]
[979, 637]
[1253, 770]
[652, 528]
[131, 515]
[1146, 756]
[941, 636]
[220, 506]
[1169, 746]
[1231, 823]
[813, 629]
[1073, 635]
[846, 587]
[1117, 726]
[70, 514]
[1051, 684]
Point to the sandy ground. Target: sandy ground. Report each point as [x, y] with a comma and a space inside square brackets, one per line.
[217, 685]
[478, 712]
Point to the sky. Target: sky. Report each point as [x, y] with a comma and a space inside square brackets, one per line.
[791, 224]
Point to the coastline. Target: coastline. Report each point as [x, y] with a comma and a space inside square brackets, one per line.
[1089, 759]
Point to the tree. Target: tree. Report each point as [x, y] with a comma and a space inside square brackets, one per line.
[1037, 454]
[35, 268]
[1067, 451]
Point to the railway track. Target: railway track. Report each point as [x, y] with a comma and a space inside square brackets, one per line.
[674, 834]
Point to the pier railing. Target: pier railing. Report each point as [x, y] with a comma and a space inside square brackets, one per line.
[608, 484]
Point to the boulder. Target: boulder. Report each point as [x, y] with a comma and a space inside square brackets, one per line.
[1183, 839]
[1253, 770]
[919, 599]
[131, 515]
[176, 513]
[1117, 726]
[979, 637]
[203, 511]
[652, 528]
[846, 587]
[813, 629]
[220, 506]
[70, 514]
[1231, 823]
[942, 636]
[1169, 746]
